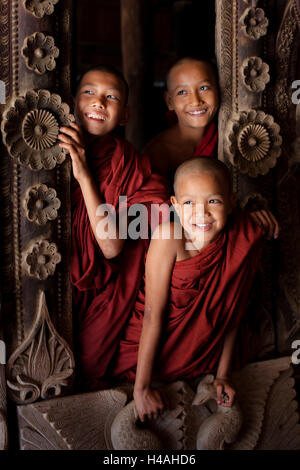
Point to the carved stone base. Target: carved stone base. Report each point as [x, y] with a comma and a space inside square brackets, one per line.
[105, 420]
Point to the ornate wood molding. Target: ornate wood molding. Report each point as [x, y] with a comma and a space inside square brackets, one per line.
[43, 364]
[102, 420]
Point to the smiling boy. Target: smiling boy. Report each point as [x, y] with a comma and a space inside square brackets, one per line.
[105, 271]
[186, 317]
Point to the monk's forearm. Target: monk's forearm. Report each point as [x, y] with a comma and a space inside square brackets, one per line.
[224, 368]
[110, 247]
[149, 342]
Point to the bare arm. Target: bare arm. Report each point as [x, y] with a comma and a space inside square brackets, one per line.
[72, 139]
[222, 382]
[159, 265]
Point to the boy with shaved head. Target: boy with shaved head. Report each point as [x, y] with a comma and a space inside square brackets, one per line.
[199, 273]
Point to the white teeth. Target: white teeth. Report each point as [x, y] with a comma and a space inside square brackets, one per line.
[198, 112]
[96, 116]
[202, 225]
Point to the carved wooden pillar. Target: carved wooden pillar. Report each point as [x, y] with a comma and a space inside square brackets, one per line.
[250, 137]
[35, 198]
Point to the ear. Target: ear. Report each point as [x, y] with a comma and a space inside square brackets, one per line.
[168, 101]
[175, 205]
[125, 117]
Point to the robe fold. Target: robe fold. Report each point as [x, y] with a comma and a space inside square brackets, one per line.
[207, 146]
[104, 291]
[208, 297]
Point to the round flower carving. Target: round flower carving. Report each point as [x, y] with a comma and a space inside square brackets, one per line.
[254, 142]
[255, 74]
[41, 204]
[31, 126]
[254, 23]
[40, 53]
[39, 8]
[42, 260]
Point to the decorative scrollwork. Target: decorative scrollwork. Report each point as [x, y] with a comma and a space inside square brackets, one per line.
[43, 364]
[39, 53]
[30, 128]
[41, 204]
[254, 23]
[39, 8]
[254, 142]
[42, 259]
[255, 74]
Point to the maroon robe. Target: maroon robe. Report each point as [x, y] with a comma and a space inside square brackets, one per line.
[208, 297]
[104, 291]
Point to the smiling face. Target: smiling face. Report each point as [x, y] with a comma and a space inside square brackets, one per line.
[202, 202]
[100, 102]
[193, 93]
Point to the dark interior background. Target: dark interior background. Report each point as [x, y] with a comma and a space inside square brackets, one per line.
[173, 29]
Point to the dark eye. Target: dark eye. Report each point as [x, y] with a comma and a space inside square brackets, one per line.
[182, 92]
[88, 92]
[112, 97]
[187, 203]
[215, 201]
[204, 87]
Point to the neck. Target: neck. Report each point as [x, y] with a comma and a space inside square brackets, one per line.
[192, 136]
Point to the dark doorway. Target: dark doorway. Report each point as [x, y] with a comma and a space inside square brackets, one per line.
[173, 29]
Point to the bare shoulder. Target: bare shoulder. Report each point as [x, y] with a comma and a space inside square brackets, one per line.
[167, 239]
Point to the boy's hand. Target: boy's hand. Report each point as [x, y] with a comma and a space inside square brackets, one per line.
[225, 392]
[149, 403]
[72, 139]
[266, 220]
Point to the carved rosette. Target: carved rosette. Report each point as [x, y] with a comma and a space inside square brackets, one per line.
[43, 364]
[254, 23]
[255, 74]
[39, 53]
[30, 128]
[39, 8]
[41, 204]
[42, 259]
[253, 142]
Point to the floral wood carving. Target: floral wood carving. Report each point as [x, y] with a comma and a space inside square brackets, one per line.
[41, 204]
[30, 128]
[254, 142]
[254, 23]
[39, 8]
[40, 53]
[255, 74]
[43, 364]
[41, 259]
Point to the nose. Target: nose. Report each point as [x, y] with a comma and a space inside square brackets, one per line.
[196, 98]
[201, 210]
[99, 102]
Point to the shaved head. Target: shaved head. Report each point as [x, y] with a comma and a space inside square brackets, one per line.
[187, 60]
[201, 165]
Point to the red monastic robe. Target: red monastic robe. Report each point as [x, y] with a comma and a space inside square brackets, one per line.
[104, 291]
[207, 146]
[208, 297]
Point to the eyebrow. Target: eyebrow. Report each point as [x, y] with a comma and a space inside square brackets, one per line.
[209, 195]
[95, 86]
[201, 81]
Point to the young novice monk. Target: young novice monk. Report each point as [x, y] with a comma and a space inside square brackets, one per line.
[193, 95]
[198, 276]
[105, 272]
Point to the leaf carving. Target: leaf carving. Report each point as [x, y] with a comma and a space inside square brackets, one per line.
[43, 364]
